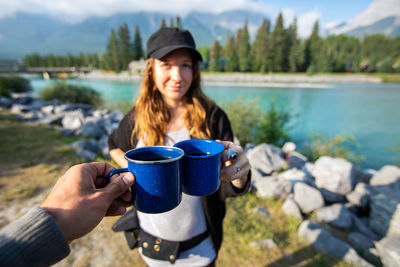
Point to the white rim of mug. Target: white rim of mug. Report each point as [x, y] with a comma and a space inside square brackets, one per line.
[154, 161]
[202, 140]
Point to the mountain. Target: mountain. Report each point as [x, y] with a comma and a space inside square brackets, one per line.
[27, 33]
[382, 16]
[389, 26]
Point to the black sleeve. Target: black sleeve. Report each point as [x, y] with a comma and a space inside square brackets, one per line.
[121, 137]
[221, 129]
[220, 125]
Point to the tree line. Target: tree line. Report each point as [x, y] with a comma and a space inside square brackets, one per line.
[273, 50]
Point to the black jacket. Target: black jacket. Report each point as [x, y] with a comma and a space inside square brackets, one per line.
[214, 204]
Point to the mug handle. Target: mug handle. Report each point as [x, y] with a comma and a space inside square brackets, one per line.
[113, 172]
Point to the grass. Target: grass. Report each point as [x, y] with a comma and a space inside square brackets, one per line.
[33, 157]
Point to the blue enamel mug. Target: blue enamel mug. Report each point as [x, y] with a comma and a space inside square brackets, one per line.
[201, 166]
[157, 171]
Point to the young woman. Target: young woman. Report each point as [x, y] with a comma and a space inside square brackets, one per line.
[171, 107]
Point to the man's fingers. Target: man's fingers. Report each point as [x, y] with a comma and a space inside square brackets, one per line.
[118, 186]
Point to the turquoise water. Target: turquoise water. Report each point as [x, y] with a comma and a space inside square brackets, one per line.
[368, 112]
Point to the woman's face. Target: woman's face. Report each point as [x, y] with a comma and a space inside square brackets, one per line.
[173, 75]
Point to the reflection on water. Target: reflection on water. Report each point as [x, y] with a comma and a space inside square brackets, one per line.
[369, 112]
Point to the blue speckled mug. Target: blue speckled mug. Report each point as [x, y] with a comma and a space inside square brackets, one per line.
[157, 171]
[201, 166]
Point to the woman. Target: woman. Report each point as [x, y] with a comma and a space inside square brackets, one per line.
[171, 107]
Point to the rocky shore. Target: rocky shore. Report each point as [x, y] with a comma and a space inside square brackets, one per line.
[348, 213]
[250, 79]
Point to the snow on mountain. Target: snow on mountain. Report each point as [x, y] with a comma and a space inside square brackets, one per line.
[377, 11]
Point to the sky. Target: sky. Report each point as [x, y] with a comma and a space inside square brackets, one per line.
[327, 12]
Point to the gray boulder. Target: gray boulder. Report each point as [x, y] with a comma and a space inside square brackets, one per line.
[336, 215]
[6, 102]
[272, 186]
[334, 177]
[359, 196]
[297, 160]
[267, 158]
[387, 181]
[323, 241]
[363, 175]
[295, 175]
[291, 208]
[384, 215]
[388, 249]
[364, 246]
[308, 198]
[73, 120]
[262, 211]
[358, 225]
[266, 243]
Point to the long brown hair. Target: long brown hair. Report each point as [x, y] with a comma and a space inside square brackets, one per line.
[152, 115]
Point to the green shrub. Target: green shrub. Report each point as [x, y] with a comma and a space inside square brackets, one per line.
[15, 84]
[72, 93]
[338, 147]
[274, 126]
[123, 105]
[244, 116]
[4, 92]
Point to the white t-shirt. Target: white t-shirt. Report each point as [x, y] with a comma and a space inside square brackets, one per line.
[181, 223]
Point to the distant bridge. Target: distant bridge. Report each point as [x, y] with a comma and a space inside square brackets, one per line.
[50, 72]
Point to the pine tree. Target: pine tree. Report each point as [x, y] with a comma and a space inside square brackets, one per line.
[112, 56]
[215, 55]
[137, 52]
[232, 63]
[313, 50]
[244, 55]
[171, 23]
[179, 23]
[124, 46]
[260, 47]
[163, 24]
[279, 46]
[294, 50]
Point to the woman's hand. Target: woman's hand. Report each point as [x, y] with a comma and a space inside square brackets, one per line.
[236, 169]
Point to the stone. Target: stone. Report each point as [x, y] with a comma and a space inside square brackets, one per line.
[272, 186]
[92, 129]
[308, 198]
[325, 242]
[290, 208]
[389, 252]
[384, 215]
[359, 196]
[295, 175]
[358, 225]
[86, 144]
[266, 243]
[364, 246]
[289, 147]
[336, 215]
[6, 102]
[334, 177]
[267, 158]
[19, 109]
[86, 154]
[297, 160]
[387, 181]
[363, 175]
[262, 211]
[73, 120]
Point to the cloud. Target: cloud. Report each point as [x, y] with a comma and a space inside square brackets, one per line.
[306, 21]
[78, 10]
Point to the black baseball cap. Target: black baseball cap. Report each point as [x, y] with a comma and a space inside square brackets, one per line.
[166, 40]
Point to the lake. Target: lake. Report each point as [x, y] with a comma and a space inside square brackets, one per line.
[368, 112]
